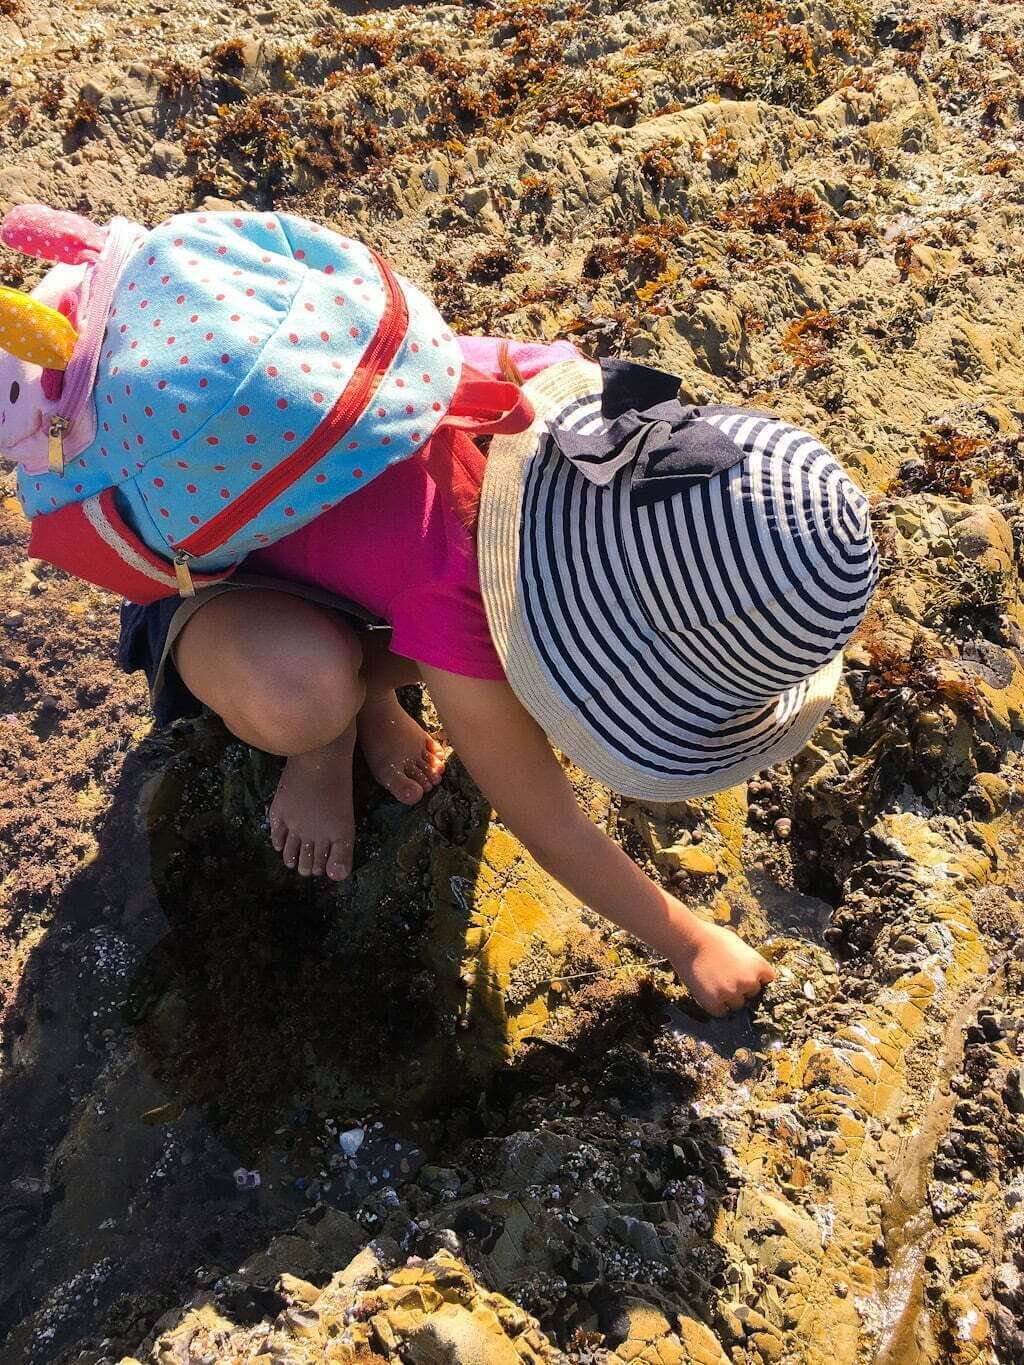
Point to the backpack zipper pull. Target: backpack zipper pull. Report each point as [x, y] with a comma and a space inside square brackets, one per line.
[186, 588]
[55, 443]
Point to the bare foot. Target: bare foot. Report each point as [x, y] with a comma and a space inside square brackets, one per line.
[720, 971]
[399, 753]
[311, 821]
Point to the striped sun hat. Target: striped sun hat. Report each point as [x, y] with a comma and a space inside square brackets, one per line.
[669, 587]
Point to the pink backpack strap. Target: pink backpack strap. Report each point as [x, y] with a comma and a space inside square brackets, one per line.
[91, 540]
[483, 406]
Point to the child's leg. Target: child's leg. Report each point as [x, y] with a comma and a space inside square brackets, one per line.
[399, 753]
[291, 678]
[512, 762]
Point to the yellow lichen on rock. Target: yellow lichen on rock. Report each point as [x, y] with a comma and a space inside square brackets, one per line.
[425, 1313]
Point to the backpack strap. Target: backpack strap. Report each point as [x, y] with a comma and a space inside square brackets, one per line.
[91, 540]
[483, 406]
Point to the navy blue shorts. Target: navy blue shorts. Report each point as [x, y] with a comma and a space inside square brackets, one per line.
[141, 647]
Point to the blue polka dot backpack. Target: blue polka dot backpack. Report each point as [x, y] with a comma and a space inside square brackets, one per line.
[175, 398]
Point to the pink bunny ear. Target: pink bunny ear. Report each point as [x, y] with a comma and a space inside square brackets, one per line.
[53, 380]
[51, 234]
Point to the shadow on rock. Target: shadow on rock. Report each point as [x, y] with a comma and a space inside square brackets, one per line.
[443, 1052]
[112, 1198]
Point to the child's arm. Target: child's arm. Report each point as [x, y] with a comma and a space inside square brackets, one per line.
[513, 764]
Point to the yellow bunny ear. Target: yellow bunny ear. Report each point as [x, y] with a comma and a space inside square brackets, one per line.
[33, 332]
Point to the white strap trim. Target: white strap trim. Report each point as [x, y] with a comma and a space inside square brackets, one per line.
[107, 533]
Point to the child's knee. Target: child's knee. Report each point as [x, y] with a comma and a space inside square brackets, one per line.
[303, 699]
[307, 702]
[283, 674]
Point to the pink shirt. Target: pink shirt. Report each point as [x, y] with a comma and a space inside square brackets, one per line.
[398, 549]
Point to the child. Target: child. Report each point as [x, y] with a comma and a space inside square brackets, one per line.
[665, 595]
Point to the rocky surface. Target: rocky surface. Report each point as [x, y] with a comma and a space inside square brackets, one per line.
[442, 1115]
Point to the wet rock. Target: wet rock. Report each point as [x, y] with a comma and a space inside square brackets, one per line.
[424, 1312]
[844, 179]
[687, 858]
[480, 912]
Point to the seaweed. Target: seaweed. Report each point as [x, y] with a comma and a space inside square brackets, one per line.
[644, 252]
[51, 94]
[972, 604]
[910, 681]
[175, 78]
[493, 264]
[83, 118]
[658, 162]
[808, 339]
[360, 48]
[720, 151]
[227, 56]
[910, 39]
[776, 55]
[797, 216]
[537, 192]
[951, 463]
[257, 132]
[581, 102]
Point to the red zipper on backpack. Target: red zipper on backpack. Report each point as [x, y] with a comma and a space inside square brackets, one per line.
[353, 400]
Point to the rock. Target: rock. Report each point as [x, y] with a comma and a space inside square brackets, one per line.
[440, 1180]
[586, 1149]
[699, 1343]
[476, 199]
[687, 858]
[454, 1334]
[993, 793]
[480, 908]
[351, 1140]
[166, 157]
[425, 1313]
[714, 332]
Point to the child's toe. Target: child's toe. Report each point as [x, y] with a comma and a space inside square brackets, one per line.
[290, 851]
[320, 856]
[307, 852]
[338, 861]
[417, 769]
[433, 759]
[406, 788]
[278, 832]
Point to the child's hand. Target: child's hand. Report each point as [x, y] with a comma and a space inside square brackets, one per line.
[720, 971]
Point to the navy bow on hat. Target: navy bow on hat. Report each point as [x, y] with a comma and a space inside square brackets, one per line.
[641, 421]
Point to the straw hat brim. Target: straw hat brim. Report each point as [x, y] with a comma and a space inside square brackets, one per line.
[499, 539]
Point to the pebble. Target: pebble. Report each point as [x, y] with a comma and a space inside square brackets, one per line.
[783, 828]
[14, 618]
[351, 1140]
[744, 1064]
